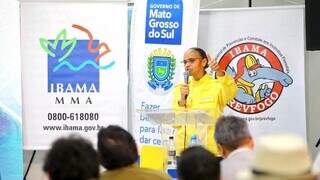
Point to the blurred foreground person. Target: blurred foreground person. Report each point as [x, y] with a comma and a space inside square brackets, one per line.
[72, 158]
[118, 152]
[235, 144]
[280, 157]
[197, 163]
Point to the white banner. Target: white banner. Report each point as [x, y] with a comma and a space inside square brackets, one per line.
[161, 32]
[263, 49]
[74, 69]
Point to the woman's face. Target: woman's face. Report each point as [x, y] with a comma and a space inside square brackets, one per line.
[194, 63]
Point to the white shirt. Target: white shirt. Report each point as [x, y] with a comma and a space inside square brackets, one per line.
[238, 160]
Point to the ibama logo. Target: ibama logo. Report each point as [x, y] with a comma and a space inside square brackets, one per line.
[258, 70]
[74, 64]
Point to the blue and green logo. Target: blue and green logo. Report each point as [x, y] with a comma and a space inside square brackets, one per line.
[161, 68]
[74, 64]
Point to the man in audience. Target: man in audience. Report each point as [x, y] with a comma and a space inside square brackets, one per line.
[72, 158]
[118, 152]
[280, 156]
[197, 163]
[235, 143]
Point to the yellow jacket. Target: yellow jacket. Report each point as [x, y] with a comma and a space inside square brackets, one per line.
[211, 95]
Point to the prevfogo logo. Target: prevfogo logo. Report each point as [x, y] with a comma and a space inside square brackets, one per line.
[258, 69]
[161, 68]
[74, 64]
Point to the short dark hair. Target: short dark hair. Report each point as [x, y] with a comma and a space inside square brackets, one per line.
[202, 53]
[116, 147]
[198, 163]
[72, 158]
[231, 132]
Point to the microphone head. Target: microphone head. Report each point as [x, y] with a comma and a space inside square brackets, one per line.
[186, 77]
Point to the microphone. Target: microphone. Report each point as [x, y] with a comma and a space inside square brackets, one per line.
[186, 77]
[186, 81]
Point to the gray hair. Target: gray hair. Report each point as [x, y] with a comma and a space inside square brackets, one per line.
[231, 132]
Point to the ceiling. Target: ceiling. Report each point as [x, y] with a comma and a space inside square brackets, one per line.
[207, 4]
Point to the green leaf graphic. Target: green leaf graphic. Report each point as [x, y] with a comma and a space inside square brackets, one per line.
[66, 43]
[45, 44]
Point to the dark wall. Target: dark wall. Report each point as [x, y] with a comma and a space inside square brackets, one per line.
[313, 24]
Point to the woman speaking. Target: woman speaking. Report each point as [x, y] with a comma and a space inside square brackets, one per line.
[202, 92]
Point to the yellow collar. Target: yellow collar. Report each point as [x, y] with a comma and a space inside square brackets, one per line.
[203, 79]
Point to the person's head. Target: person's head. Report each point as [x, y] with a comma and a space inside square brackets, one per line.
[195, 61]
[116, 148]
[72, 158]
[198, 163]
[280, 156]
[232, 133]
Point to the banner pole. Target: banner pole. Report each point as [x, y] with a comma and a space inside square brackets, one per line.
[29, 165]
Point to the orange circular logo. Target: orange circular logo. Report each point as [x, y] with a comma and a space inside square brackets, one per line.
[259, 74]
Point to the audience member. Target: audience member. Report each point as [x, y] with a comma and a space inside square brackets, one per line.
[197, 163]
[72, 158]
[235, 143]
[280, 157]
[118, 152]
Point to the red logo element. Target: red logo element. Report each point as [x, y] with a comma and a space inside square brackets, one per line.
[90, 44]
[259, 75]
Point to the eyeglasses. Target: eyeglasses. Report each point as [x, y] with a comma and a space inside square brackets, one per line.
[190, 60]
